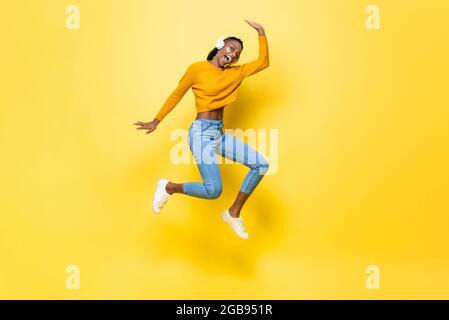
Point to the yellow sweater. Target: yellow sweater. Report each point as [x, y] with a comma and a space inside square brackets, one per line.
[214, 87]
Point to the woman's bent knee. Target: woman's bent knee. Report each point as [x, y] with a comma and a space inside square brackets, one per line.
[262, 166]
[214, 191]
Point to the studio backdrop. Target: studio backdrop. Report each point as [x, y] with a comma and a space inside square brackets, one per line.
[352, 114]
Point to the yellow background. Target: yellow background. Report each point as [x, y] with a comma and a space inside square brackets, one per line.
[363, 151]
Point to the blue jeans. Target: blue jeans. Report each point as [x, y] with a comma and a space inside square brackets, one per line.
[207, 139]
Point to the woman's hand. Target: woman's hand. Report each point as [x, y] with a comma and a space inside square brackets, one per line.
[256, 26]
[150, 126]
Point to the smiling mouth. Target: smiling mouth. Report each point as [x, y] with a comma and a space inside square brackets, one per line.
[227, 59]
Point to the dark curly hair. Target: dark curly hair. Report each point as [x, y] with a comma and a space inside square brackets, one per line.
[214, 51]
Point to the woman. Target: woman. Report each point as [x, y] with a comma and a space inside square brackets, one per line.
[215, 83]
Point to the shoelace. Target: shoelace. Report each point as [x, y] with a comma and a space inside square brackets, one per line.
[163, 202]
[241, 225]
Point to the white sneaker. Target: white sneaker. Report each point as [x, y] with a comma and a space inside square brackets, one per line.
[236, 224]
[160, 196]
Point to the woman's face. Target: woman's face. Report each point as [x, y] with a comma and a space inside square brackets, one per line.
[230, 53]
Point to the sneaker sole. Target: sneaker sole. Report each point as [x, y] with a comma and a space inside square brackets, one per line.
[156, 211]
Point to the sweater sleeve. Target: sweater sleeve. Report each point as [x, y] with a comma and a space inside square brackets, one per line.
[183, 85]
[261, 63]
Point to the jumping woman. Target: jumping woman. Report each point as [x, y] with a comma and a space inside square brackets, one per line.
[215, 83]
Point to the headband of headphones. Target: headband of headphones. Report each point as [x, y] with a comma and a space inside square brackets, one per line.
[221, 41]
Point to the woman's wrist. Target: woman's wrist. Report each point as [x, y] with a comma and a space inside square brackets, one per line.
[261, 32]
[156, 120]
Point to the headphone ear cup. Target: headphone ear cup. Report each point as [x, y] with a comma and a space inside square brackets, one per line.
[220, 43]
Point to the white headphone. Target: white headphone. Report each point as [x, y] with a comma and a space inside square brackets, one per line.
[220, 42]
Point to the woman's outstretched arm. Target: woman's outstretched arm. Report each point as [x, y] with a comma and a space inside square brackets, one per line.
[184, 84]
[263, 61]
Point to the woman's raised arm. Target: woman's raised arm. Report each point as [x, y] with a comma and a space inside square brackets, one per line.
[263, 60]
